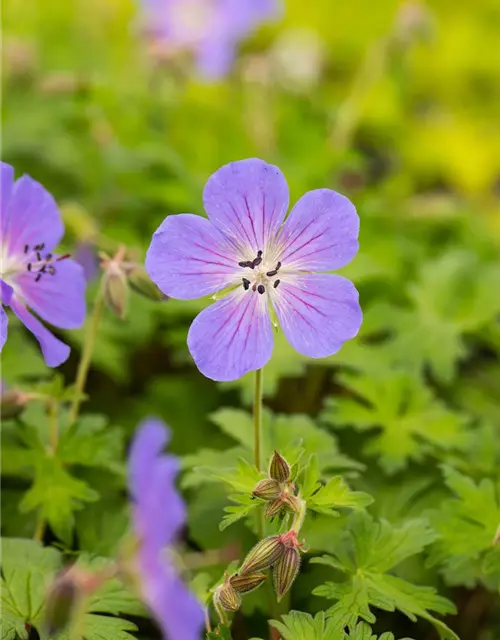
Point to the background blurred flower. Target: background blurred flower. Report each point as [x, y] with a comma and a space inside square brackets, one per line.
[158, 514]
[30, 274]
[209, 29]
[246, 246]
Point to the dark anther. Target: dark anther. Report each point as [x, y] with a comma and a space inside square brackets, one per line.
[38, 276]
[42, 270]
[257, 260]
[276, 283]
[261, 289]
[48, 256]
[246, 284]
[274, 271]
[259, 254]
[28, 266]
[247, 263]
[52, 270]
[26, 248]
[38, 256]
[39, 247]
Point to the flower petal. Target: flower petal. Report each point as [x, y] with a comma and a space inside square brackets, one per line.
[151, 437]
[6, 292]
[214, 58]
[232, 336]
[6, 184]
[321, 232]
[318, 313]
[247, 201]
[59, 298]
[31, 217]
[4, 321]
[189, 258]
[54, 351]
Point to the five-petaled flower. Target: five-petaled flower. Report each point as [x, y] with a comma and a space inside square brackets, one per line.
[30, 274]
[209, 29]
[248, 247]
[158, 514]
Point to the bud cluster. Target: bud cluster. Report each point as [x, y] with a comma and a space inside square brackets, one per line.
[278, 553]
[276, 489]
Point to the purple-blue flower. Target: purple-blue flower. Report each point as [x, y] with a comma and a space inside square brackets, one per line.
[31, 275]
[209, 29]
[266, 262]
[158, 514]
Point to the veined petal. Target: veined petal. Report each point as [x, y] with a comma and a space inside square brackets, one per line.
[247, 201]
[232, 336]
[189, 258]
[321, 232]
[30, 217]
[4, 322]
[318, 313]
[151, 437]
[6, 184]
[54, 351]
[59, 298]
[6, 292]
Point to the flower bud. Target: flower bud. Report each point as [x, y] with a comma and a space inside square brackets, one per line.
[267, 489]
[248, 582]
[279, 469]
[263, 555]
[273, 508]
[116, 291]
[285, 571]
[61, 603]
[227, 597]
[13, 402]
[142, 284]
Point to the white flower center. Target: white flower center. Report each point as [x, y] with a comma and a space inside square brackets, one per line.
[260, 274]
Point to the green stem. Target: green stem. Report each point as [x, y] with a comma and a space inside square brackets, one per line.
[257, 418]
[299, 516]
[53, 409]
[86, 357]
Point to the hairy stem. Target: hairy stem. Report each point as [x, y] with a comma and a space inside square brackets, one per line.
[86, 357]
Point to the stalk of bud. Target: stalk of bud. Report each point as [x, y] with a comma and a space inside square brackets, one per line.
[248, 582]
[227, 597]
[263, 555]
[279, 469]
[267, 489]
[285, 571]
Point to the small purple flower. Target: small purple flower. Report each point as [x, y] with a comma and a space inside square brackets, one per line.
[266, 262]
[30, 274]
[210, 29]
[158, 514]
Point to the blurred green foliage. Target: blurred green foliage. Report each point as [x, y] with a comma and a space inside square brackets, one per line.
[400, 114]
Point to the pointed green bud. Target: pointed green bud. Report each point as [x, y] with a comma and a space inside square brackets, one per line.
[248, 582]
[227, 597]
[116, 291]
[279, 469]
[263, 555]
[285, 571]
[61, 603]
[267, 489]
[273, 508]
[142, 284]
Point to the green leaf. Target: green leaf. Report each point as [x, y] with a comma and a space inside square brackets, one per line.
[331, 496]
[411, 422]
[56, 494]
[297, 625]
[366, 553]
[221, 632]
[27, 571]
[467, 525]
[245, 504]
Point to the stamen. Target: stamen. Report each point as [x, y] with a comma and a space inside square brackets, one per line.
[39, 247]
[52, 270]
[48, 256]
[257, 260]
[38, 277]
[28, 266]
[274, 271]
[247, 263]
[261, 289]
[38, 256]
[246, 284]
[276, 283]
[26, 248]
